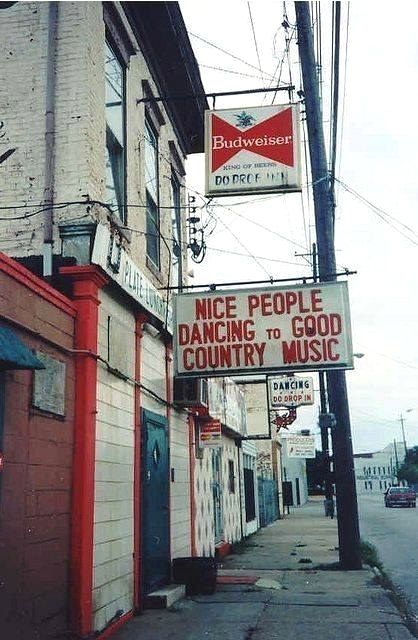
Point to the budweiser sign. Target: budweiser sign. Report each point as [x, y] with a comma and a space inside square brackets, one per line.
[252, 150]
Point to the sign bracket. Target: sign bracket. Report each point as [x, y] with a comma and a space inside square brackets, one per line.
[214, 95]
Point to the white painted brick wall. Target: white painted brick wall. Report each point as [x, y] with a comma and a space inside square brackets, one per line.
[114, 474]
[80, 169]
[79, 130]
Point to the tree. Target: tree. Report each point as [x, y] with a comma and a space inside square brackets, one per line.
[409, 469]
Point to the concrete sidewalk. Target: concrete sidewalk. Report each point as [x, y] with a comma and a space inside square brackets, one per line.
[288, 593]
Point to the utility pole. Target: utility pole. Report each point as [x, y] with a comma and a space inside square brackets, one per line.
[323, 403]
[402, 420]
[347, 511]
[396, 457]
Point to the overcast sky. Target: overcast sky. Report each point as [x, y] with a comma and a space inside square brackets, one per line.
[377, 159]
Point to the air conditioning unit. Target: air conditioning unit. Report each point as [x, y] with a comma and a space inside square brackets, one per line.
[191, 392]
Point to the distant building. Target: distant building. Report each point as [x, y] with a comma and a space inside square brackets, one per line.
[269, 459]
[294, 471]
[376, 471]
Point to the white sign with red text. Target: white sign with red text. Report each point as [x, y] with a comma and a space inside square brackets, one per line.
[252, 150]
[290, 391]
[292, 328]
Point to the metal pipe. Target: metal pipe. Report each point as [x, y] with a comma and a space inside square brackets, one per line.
[213, 95]
[214, 286]
[49, 180]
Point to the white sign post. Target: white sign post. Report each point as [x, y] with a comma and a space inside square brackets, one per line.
[252, 150]
[293, 328]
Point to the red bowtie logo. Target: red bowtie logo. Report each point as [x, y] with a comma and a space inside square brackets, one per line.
[272, 138]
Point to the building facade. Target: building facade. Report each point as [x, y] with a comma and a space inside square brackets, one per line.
[269, 453]
[97, 208]
[37, 408]
[376, 471]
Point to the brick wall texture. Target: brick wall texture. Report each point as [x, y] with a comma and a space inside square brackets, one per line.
[36, 481]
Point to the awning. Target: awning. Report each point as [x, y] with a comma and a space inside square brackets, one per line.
[14, 354]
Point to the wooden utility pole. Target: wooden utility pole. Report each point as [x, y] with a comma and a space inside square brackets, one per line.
[348, 524]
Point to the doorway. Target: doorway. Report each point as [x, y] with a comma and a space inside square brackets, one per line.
[155, 502]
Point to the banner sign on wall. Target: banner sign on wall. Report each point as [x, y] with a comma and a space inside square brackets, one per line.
[292, 328]
[290, 391]
[128, 276]
[300, 446]
[252, 150]
[210, 434]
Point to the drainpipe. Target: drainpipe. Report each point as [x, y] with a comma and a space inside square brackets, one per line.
[50, 139]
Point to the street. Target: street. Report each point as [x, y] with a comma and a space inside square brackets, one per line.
[394, 533]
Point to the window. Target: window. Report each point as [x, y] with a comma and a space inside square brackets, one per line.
[115, 132]
[151, 190]
[176, 262]
[231, 476]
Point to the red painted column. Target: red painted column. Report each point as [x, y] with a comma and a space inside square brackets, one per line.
[192, 461]
[139, 328]
[86, 281]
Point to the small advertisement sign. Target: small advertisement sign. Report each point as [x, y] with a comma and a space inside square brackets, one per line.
[290, 391]
[293, 328]
[210, 434]
[300, 446]
[252, 150]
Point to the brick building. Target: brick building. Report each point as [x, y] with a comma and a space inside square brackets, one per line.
[96, 207]
[36, 443]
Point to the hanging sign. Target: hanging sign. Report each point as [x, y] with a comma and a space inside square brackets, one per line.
[252, 150]
[290, 391]
[304, 327]
[300, 446]
[210, 434]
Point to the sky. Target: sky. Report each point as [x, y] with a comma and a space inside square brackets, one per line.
[376, 232]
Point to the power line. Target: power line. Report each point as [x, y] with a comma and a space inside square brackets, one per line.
[237, 73]
[344, 86]
[228, 53]
[255, 39]
[383, 215]
[335, 95]
[262, 226]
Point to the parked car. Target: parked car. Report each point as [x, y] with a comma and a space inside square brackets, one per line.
[400, 496]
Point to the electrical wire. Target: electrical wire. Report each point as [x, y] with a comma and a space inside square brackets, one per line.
[237, 73]
[228, 53]
[255, 40]
[383, 215]
[245, 248]
[335, 96]
[344, 86]
[261, 226]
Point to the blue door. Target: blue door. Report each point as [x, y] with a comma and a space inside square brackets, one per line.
[155, 502]
[217, 494]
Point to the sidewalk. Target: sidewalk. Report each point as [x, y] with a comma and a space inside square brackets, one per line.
[283, 593]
